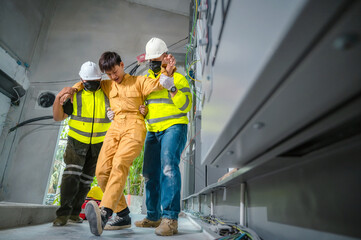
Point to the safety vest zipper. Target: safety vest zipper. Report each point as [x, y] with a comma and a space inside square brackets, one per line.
[91, 134]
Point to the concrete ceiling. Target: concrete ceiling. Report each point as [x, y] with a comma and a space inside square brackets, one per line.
[82, 30]
[174, 6]
[20, 25]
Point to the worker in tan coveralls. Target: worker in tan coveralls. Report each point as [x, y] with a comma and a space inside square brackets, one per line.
[125, 137]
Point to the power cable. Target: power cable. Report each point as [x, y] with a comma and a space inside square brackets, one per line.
[177, 42]
[134, 69]
[69, 80]
[190, 68]
[239, 232]
[192, 32]
[11, 147]
[189, 142]
[30, 121]
[17, 100]
[46, 124]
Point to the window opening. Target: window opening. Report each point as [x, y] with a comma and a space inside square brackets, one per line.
[53, 192]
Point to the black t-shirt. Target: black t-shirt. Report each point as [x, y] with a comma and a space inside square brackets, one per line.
[68, 107]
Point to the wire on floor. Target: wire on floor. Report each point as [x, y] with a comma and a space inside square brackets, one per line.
[228, 230]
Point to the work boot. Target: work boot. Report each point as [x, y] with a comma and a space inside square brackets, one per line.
[146, 223]
[60, 221]
[75, 219]
[119, 223]
[97, 218]
[167, 227]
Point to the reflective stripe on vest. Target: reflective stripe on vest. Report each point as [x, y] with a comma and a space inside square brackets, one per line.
[87, 134]
[159, 100]
[88, 122]
[155, 120]
[184, 107]
[185, 89]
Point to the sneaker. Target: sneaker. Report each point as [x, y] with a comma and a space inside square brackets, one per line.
[97, 218]
[119, 223]
[146, 223]
[60, 221]
[167, 227]
[75, 219]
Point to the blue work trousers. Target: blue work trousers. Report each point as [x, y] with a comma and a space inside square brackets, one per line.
[162, 154]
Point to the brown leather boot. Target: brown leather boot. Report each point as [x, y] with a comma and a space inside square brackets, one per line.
[75, 219]
[167, 227]
[146, 223]
[60, 221]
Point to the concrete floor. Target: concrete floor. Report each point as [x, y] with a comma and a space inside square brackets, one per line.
[187, 230]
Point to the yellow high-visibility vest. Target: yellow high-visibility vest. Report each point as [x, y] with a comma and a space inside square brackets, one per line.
[89, 122]
[164, 111]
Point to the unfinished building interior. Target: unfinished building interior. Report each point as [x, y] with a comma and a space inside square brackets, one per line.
[273, 149]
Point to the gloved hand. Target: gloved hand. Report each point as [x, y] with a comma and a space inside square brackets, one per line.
[166, 82]
[110, 114]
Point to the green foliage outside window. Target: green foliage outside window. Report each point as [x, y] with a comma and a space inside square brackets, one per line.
[135, 181]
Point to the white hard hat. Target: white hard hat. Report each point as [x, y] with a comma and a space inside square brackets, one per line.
[155, 48]
[89, 71]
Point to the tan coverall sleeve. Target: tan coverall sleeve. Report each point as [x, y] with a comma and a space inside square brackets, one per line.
[104, 84]
[149, 85]
[79, 86]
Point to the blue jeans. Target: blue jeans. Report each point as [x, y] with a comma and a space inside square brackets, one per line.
[162, 153]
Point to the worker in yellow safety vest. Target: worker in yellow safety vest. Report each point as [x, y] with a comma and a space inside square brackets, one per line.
[88, 125]
[166, 137]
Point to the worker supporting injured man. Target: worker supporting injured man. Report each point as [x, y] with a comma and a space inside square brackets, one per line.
[166, 137]
[125, 137]
[87, 128]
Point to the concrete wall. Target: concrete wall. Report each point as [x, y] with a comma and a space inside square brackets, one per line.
[18, 214]
[77, 31]
[18, 73]
[28, 152]
[13, 68]
[20, 25]
[4, 108]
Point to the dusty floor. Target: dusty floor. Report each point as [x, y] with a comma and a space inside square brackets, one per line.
[72, 231]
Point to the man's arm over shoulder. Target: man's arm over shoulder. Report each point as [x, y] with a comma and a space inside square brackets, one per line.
[148, 85]
[58, 111]
[78, 86]
[106, 86]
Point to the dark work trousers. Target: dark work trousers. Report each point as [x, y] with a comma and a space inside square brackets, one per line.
[80, 160]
